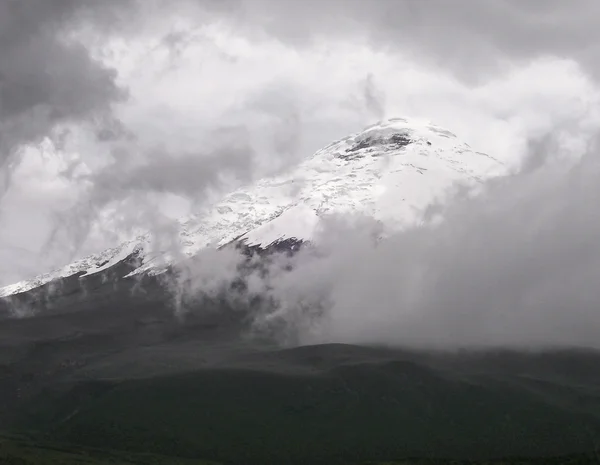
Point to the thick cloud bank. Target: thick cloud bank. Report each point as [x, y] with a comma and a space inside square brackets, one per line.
[515, 266]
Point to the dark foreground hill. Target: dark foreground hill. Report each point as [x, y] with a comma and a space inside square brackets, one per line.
[113, 377]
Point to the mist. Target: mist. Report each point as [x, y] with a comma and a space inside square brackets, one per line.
[513, 265]
[122, 119]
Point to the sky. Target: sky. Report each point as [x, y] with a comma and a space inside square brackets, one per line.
[122, 115]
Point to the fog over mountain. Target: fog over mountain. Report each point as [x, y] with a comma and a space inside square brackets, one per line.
[175, 87]
[122, 118]
[279, 231]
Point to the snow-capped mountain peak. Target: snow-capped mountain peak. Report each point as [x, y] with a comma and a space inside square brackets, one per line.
[390, 171]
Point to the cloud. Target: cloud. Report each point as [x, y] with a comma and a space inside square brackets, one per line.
[473, 39]
[516, 266]
[46, 78]
[223, 93]
[209, 275]
[180, 173]
[374, 99]
[190, 98]
[122, 196]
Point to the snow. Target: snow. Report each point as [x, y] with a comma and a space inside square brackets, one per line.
[391, 171]
[88, 265]
[120, 254]
[299, 222]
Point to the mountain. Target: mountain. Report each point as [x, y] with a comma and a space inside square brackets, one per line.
[390, 171]
[105, 371]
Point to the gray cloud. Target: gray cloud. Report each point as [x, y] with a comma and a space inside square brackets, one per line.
[183, 174]
[516, 266]
[374, 100]
[46, 78]
[130, 185]
[473, 38]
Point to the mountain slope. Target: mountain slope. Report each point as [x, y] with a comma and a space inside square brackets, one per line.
[390, 171]
[112, 366]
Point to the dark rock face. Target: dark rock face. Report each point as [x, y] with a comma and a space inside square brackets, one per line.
[288, 247]
[379, 144]
[63, 293]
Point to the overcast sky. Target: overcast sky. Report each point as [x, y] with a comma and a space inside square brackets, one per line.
[110, 108]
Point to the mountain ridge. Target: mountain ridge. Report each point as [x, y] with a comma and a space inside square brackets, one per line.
[390, 171]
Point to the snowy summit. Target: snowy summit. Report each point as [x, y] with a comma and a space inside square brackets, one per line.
[390, 171]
